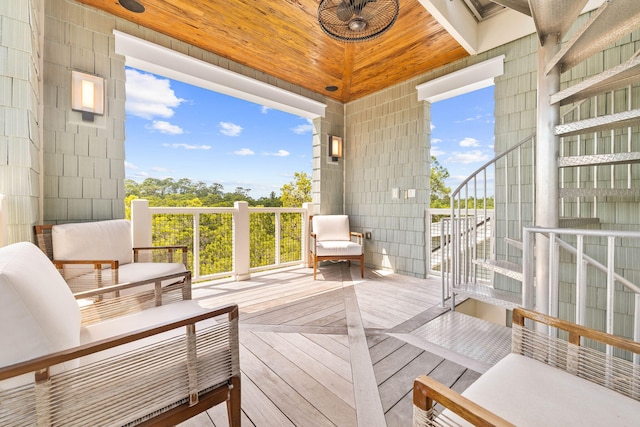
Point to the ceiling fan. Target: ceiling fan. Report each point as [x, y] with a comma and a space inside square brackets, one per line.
[357, 20]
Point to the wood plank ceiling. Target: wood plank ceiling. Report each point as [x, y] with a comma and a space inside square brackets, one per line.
[283, 39]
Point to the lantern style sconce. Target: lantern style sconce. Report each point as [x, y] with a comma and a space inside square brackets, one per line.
[335, 147]
[87, 95]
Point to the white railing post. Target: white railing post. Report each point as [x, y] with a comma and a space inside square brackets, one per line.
[242, 246]
[141, 233]
[196, 246]
[308, 211]
[3, 221]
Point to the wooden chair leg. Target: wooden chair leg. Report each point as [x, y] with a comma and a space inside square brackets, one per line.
[315, 266]
[362, 266]
[234, 409]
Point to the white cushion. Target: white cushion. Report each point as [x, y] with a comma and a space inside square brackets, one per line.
[142, 319]
[331, 227]
[100, 240]
[526, 392]
[338, 248]
[139, 271]
[38, 313]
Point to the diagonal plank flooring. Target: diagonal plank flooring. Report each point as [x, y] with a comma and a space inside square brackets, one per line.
[330, 352]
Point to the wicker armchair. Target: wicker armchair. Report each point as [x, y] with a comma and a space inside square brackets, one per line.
[331, 240]
[99, 254]
[545, 381]
[158, 366]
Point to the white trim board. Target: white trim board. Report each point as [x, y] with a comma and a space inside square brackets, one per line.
[472, 78]
[157, 59]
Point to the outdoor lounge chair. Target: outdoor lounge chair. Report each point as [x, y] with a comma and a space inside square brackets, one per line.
[158, 366]
[92, 255]
[331, 240]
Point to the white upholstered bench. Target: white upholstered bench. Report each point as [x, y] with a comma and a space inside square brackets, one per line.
[545, 381]
[158, 365]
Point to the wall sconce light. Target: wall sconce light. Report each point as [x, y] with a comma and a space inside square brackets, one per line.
[335, 147]
[87, 95]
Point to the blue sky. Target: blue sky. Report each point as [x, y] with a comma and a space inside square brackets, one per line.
[180, 131]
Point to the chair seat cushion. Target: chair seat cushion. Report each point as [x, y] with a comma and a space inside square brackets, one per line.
[142, 319]
[338, 248]
[526, 392]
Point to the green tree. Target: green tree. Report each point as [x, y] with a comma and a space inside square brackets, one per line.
[295, 193]
[439, 191]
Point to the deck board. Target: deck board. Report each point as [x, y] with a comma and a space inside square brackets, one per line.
[331, 352]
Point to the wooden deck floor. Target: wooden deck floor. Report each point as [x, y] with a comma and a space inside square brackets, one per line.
[326, 352]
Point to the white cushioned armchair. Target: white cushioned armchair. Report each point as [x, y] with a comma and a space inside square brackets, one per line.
[92, 255]
[331, 240]
[160, 365]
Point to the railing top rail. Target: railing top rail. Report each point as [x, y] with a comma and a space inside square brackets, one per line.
[579, 231]
[489, 163]
[203, 209]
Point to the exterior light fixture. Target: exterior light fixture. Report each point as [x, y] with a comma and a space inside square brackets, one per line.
[335, 147]
[87, 95]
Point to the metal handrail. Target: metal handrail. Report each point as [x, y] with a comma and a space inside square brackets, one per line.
[461, 259]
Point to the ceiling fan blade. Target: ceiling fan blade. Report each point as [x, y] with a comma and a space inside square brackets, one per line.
[344, 11]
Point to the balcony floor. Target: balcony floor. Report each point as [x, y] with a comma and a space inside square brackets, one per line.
[331, 352]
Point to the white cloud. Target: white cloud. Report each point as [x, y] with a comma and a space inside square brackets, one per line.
[437, 152]
[244, 152]
[302, 129]
[149, 96]
[281, 153]
[436, 140]
[188, 146]
[230, 129]
[159, 169]
[165, 127]
[469, 142]
[433, 126]
[264, 109]
[468, 157]
[129, 165]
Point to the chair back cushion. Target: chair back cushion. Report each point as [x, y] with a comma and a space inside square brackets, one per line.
[100, 240]
[38, 313]
[331, 227]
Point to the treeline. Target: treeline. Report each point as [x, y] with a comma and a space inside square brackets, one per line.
[184, 192]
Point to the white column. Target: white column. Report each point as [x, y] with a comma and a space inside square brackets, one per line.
[547, 148]
[3, 221]
[306, 229]
[241, 244]
[140, 223]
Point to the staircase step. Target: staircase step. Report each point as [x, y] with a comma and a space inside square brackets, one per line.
[513, 243]
[615, 78]
[610, 121]
[457, 334]
[568, 222]
[505, 268]
[599, 192]
[598, 159]
[554, 17]
[612, 21]
[480, 292]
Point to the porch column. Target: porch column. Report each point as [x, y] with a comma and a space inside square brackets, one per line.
[241, 234]
[547, 149]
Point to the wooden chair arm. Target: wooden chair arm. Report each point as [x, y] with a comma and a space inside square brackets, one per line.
[121, 286]
[44, 362]
[427, 391]
[575, 331]
[169, 248]
[96, 263]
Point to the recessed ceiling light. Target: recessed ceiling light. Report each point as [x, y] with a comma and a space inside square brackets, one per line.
[132, 5]
[331, 88]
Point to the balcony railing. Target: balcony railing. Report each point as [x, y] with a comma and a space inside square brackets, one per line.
[226, 242]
